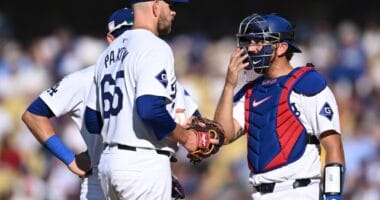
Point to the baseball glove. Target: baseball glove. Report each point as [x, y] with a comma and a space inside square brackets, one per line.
[205, 129]
[83, 161]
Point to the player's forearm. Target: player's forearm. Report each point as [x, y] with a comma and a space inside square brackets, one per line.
[223, 113]
[334, 169]
[37, 119]
[43, 131]
[332, 143]
[40, 126]
[335, 154]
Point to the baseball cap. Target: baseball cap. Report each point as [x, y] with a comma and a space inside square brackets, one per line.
[120, 21]
[173, 1]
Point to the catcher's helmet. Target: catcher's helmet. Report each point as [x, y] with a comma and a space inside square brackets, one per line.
[269, 29]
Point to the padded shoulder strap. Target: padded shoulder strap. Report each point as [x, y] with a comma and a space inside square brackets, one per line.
[310, 83]
[243, 90]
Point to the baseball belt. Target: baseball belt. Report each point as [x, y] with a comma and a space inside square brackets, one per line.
[130, 148]
[269, 187]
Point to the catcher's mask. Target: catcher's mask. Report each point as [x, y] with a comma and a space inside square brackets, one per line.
[266, 30]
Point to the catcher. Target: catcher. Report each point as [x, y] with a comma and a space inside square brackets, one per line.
[286, 113]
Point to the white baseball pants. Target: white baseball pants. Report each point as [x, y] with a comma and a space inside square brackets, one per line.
[141, 174]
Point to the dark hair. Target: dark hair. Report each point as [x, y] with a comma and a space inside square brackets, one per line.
[289, 54]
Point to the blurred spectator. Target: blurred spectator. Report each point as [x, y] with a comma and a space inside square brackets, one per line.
[6, 120]
[9, 155]
[322, 46]
[350, 63]
[358, 148]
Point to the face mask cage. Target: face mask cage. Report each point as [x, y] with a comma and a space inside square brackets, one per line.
[256, 28]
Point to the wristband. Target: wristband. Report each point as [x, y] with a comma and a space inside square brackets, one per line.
[59, 150]
[333, 180]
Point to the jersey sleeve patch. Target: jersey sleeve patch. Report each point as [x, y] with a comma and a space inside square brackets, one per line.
[326, 111]
[311, 83]
[186, 93]
[162, 78]
[53, 89]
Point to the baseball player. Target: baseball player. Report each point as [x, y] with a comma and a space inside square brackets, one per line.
[69, 96]
[135, 91]
[285, 113]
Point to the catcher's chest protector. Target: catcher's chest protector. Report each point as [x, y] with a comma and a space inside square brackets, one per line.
[275, 135]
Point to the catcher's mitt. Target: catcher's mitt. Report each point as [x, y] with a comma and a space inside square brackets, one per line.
[205, 129]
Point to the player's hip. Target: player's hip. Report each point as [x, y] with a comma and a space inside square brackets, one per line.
[308, 166]
[139, 174]
[307, 189]
[123, 157]
[143, 141]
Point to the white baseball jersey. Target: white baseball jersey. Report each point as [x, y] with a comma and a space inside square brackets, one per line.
[69, 96]
[184, 103]
[309, 107]
[137, 63]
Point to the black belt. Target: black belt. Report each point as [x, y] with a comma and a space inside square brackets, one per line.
[312, 139]
[269, 187]
[130, 148]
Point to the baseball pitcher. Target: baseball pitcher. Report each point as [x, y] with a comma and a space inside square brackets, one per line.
[135, 92]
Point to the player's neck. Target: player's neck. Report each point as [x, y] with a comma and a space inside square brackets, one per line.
[146, 28]
[279, 69]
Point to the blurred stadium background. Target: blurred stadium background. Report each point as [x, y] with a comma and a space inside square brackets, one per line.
[41, 41]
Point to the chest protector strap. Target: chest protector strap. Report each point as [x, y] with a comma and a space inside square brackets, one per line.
[275, 135]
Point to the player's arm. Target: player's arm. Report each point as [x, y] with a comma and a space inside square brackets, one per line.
[92, 116]
[325, 121]
[335, 165]
[65, 97]
[224, 115]
[36, 118]
[332, 143]
[224, 110]
[152, 111]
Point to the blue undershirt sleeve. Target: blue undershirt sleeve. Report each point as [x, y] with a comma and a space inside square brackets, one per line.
[152, 111]
[93, 121]
[39, 107]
